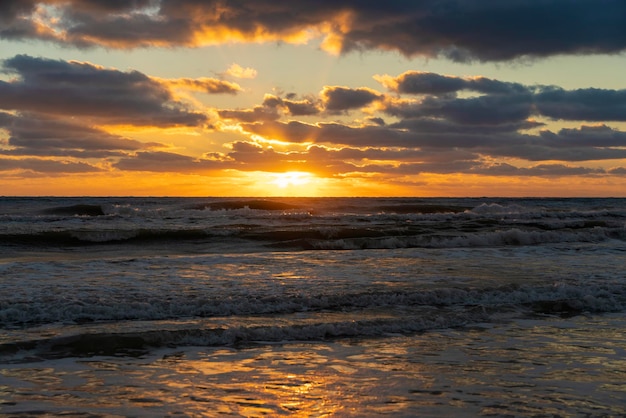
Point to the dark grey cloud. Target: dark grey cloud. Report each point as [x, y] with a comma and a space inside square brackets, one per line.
[301, 107]
[410, 159]
[540, 170]
[160, 161]
[582, 104]
[82, 89]
[444, 126]
[500, 102]
[421, 82]
[15, 19]
[46, 166]
[305, 107]
[489, 30]
[377, 121]
[461, 30]
[320, 155]
[252, 157]
[293, 131]
[417, 82]
[584, 144]
[482, 110]
[385, 161]
[337, 133]
[33, 134]
[340, 99]
[244, 157]
[442, 131]
[11, 9]
[259, 113]
[112, 6]
[586, 136]
[332, 161]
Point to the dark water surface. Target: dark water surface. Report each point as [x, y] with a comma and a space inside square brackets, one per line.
[312, 307]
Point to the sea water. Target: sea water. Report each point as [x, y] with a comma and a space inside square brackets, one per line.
[312, 307]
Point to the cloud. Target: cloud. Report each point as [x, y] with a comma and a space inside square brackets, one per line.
[244, 157]
[584, 144]
[418, 82]
[259, 113]
[11, 9]
[340, 150]
[464, 30]
[107, 96]
[421, 82]
[460, 30]
[339, 99]
[46, 166]
[237, 71]
[432, 123]
[271, 110]
[305, 107]
[337, 161]
[618, 171]
[202, 84]
[482, 110]
[540, 170]
[292, 131]
[500, 102]
[442, 126]
[582, 104]
[160, 161]
[33, 134]
[16, 19]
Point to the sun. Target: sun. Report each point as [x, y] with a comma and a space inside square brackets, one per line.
[293, 183]
[292, 179]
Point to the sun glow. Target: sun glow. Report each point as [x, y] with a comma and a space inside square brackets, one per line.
[292, 179]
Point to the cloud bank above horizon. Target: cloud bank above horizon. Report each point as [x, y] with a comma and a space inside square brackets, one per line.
[66, 116]
[486, 30]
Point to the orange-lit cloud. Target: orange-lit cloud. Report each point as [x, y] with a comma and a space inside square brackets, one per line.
[438, 133]
[83, 89]
[341, 99]
[467, 134]
[237, 71]
[203, 84]
[463, 30]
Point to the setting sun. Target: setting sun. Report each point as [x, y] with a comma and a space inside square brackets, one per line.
[292, 178]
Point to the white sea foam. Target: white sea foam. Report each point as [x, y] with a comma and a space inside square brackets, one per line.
[497, 209]
[146, 263]
[103, 235]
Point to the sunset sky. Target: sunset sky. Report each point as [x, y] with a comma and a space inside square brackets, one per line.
[313, 98]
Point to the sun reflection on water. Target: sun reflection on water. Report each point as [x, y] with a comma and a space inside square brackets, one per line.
[528, 368]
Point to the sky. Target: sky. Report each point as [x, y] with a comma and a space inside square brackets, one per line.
[313, 98]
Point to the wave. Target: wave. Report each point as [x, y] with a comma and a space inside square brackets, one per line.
[86, 237]
[304, 237]
[316, 319]
[75, 210]
[60, 308]
[509, 237]
[246, 204]
[313, 224]
[422, 208]
[139, 342]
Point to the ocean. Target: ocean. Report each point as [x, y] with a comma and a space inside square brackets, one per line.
[312, 307]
